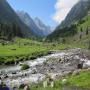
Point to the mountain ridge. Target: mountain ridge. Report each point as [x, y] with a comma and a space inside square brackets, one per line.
[8, 16]
[39, 28]
[75, 24]
[78, 11]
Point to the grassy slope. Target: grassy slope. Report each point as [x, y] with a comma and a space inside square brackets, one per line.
[11, 51]
[75, 41]
[34, 48]
[24, 49]
[86, 23]
[85, 38]
[81, 80]
[17, 51]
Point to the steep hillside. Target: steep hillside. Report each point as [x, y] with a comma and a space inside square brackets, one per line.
[45, 29]
[75, 26]
[62, 33]
[29, 22]
[10, 19]
[36, 25]
[76, 34]
[77, 12]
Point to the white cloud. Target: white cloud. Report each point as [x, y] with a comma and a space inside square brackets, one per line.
[62, 8]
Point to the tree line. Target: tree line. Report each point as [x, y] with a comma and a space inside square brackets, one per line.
[9, 30]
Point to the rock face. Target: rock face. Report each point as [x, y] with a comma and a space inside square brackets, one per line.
[8, 16]
[36, 25]
[29, 22]
[45, 29]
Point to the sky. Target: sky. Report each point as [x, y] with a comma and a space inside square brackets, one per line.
[51, 12]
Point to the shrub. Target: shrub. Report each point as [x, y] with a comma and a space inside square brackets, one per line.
[24, 67]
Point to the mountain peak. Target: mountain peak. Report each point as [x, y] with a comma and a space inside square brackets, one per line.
[36, 25]
[46, 29]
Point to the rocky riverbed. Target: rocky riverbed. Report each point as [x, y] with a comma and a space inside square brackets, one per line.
[58, 64]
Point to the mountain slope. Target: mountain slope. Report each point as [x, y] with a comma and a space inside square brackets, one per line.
[45, 29]
[29, 22]
[36, 25]
[80, 36]
[9, 17]
[77, 20]
[77, 12]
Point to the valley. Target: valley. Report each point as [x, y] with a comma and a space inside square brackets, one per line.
[56, 65]
[33, 56]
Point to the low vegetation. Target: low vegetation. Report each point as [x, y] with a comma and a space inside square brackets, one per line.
[24, 67]
[81, 80]
[25, 49]
[20, 51]
[59, 34]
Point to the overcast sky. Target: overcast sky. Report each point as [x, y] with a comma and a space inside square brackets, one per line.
[51, 12]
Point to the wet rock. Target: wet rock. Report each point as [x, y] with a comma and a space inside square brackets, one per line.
[86, 64]
[77, 72]
[34, 71]
[80, 66]
[14, 72]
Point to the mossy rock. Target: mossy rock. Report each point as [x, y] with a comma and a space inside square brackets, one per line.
[24, 67]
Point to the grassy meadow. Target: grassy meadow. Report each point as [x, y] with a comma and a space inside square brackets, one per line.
[26, 49]
[80, 80]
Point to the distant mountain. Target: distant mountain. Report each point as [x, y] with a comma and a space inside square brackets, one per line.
[29, 22]
[77, 12]
[10, 20]
[36, 25]
[73, 22]
[45, 29]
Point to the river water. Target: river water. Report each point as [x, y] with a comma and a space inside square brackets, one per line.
[37, 71]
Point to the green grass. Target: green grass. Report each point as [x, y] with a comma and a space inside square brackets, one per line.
[22, 48]
[85, 24]
[81, 80]
[12, 51]
[75, 41]
[25, 49]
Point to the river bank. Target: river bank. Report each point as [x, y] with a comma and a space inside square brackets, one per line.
[56, 65]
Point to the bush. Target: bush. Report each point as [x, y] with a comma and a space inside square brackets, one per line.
[24, 67]
[89, 46]
[21, 86]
